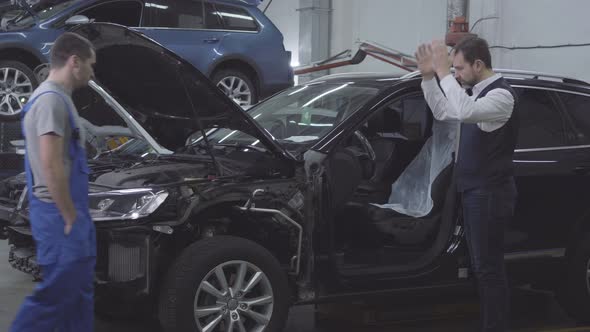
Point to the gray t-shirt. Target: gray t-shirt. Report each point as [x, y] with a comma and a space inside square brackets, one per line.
[49, 114]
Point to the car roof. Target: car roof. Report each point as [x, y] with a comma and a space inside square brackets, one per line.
[229, 2]
[358, 77]
[374, 80]
[513, 76]
[234, 2]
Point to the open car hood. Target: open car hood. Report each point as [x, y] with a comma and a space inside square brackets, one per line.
[169, 97]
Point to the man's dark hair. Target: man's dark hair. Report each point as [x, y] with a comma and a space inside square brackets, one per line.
[69, 44]
[474, 48]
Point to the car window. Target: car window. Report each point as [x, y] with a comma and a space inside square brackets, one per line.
[406, 118]
[413, 113]
[540, 123]
[299, 116]
[235, 18]
[181, 14]
[127, 13]
[212, 20]
[42, 10]
[578, 110]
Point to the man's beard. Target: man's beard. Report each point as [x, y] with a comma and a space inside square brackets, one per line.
[465, 85]
[469, 84]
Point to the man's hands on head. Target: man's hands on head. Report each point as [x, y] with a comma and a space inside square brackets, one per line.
[441, 58]
[434, 58]
[425, 61]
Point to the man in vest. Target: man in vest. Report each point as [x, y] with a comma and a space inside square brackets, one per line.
[484, 169]
[57, 182]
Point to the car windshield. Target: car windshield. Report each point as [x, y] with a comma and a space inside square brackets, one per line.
[299, 116]
[43, 10]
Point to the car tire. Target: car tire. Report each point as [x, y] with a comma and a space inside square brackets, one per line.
[199, 265]
[229, 80]
[8, 104]
[574, 292]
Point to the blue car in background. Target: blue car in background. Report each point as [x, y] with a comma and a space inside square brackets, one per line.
[232, 42]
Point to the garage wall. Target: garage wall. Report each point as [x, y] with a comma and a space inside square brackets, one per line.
[402, 24]
[397, 24]
[284, 14]
[532, 23]
[388, 22]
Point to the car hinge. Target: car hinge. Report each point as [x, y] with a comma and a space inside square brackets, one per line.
[462, 271]
[455, 239]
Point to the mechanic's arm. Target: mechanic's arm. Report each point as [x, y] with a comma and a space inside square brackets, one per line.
[496, 105]
[51, 122]
[51, 146]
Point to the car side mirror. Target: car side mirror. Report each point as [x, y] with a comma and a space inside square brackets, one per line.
[78, 19]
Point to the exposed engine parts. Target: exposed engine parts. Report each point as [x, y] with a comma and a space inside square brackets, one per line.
[23, 259]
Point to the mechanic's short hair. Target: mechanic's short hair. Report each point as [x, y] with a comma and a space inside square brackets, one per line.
[475, 48]
[69, 44]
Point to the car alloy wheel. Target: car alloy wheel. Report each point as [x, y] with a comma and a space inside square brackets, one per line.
[234, 296]
[236, 89]
[15, 90]
[42, 72]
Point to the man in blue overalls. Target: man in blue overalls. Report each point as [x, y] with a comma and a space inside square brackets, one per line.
[57, 181]
[484, 167]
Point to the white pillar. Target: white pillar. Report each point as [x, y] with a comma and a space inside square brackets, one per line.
[314, 33]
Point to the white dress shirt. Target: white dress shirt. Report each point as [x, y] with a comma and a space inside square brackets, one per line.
[490, 112]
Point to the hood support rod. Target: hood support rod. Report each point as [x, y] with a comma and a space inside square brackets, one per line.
[200, 123]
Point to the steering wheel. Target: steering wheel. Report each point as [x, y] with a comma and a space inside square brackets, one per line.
[366, 155]
[366, 145]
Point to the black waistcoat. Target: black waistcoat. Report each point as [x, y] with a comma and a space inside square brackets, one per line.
[485, 158]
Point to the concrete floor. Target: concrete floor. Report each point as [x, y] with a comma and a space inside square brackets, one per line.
[532, 312]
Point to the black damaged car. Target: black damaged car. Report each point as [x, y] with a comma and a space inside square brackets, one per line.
[220, 219]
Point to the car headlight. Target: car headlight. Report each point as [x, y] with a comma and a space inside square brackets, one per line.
[125, 204]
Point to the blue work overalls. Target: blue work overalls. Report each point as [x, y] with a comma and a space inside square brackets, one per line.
[64, 300]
